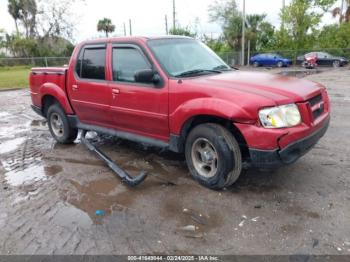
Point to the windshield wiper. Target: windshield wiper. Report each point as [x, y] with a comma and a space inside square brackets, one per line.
[222, 67]
[198, 71]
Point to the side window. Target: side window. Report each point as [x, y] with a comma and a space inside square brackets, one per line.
[78, 64]
[126, 62]
[321, 55]
[91, 63]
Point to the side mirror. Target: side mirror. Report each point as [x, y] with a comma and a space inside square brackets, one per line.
[146, 76]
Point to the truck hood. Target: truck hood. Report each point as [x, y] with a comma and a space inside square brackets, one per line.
[280, 89]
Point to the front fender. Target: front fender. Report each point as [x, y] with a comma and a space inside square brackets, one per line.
[59, 94]
[208, 106]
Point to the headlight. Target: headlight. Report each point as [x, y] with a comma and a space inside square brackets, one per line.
[280, 116]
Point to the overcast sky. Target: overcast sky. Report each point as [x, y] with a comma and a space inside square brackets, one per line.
[148, 15]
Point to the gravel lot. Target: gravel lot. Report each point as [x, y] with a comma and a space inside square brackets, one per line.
[49, 195]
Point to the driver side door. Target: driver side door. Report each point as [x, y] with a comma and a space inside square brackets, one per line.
[140, 108]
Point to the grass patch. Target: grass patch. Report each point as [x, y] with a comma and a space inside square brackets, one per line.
[14, 77]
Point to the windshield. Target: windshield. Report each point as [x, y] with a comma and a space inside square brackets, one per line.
[180, 57]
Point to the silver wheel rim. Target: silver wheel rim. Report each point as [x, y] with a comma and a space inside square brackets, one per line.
[56, 124]
[204, 158]
[279, 64]
[336, 64]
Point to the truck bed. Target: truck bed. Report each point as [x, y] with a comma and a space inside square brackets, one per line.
[45, 77]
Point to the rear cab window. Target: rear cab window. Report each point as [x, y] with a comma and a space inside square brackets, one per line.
[91, 63]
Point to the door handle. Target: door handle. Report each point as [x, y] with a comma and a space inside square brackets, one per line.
[74, 87]
[115, 92]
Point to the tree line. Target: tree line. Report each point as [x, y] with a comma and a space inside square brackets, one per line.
[45, 27]
[301, 27]
[42, 28]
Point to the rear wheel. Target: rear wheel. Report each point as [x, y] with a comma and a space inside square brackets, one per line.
[59, 125]
[280, 64]
[213, 156]
[256, 64]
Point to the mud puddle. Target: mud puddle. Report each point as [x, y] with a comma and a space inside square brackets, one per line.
[11, 145]
[99, 198]
[21, 150]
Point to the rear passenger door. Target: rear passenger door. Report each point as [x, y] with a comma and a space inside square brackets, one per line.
[137, 107]
[89, 91]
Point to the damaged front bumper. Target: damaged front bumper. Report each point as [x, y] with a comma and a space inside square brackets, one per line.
[269, 159]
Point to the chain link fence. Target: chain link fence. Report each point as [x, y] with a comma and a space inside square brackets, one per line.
[231, 58]
[34, 61]
[297, 56]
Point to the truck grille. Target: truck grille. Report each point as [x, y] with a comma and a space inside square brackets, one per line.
[317, 106]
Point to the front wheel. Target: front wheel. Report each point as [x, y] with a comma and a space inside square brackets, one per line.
[213, 156]
[59, 125]
[336, 64]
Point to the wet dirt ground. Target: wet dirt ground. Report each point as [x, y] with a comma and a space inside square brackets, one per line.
[49, 195]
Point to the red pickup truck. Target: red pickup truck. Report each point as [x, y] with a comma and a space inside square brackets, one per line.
[174, 92]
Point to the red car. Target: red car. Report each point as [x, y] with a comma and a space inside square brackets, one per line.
[174, 92]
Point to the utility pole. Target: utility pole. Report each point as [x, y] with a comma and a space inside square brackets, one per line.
[248, 55]
[174, 15]
[283, 8]
[124, 29]
[341, 11]
[166, 25]
[130, 27]
[243, 34]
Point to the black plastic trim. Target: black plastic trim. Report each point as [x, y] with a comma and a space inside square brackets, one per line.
[176, 143]
[75, 122]
[47, 73]
[37, 110]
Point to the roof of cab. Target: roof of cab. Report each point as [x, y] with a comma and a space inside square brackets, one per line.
[132, 38]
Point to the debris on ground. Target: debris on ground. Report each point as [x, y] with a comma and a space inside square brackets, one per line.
[100, 213]
[189, 228]
[315, 242]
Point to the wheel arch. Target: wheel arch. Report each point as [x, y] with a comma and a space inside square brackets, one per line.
[46, 102]
[196, 120]
[52, 93]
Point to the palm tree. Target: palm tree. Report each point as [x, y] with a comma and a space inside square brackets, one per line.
[254, 22]
[339, 11]
[14, 7]
[105, 25]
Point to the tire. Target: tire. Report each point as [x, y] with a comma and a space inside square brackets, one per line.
[213, 156]
[59, 126]
[256, 64]
[280, 64]
[336, 64]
